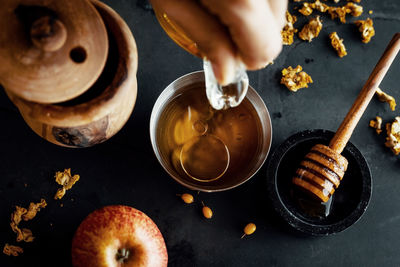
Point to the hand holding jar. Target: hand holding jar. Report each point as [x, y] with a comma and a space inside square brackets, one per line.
[225, 31]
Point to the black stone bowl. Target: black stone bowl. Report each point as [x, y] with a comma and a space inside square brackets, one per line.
[349, 202]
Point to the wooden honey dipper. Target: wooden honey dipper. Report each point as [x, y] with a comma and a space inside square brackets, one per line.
[323, 167]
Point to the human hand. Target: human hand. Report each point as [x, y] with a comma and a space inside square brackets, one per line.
[228, 30]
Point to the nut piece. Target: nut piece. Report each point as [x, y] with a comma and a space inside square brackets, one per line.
[341, 12]
[25, 235]
[295, 79]
[337, 44]
[335, 12]
[320, 6]
[308, 7]
[393, 135]
[311, 29]
[22, 213]
[377, 124]
[16, 216]
[338, 12]
[60, 193]
[66, 180]
[11, 250]
[383, 97]
[62, 178]
[356, 1]
[288, 31]
[354, 9]
[33, 210]
[366, 27]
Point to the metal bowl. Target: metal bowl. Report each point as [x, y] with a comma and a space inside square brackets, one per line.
[176, 88]
[349, 202]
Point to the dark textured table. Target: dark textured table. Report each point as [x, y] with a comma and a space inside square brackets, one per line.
[124, 170]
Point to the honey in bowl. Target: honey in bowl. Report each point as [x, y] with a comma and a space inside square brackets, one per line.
[205, 145]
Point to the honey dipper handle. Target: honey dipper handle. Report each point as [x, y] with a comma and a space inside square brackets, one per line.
[345, 130]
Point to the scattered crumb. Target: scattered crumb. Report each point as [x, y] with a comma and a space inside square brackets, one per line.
[25, 214]
[25, 235]
[376, 124]
[295, 79]
[335, 12]
[311, 29]
[337, 44]
[33, 209]
[288, 31]
[366, 28]
[307, 8]
[61, 205]
[370, 12]
[393, 135]
[62, 178]
[383, 97]
[67, 180]
[11, 250]
[338, 12]
[320, 6]
[60, 193]
[16, 216]
[341, 12]
[354, 9]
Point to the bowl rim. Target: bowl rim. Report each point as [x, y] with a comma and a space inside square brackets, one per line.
[160, 104]
[290, 217]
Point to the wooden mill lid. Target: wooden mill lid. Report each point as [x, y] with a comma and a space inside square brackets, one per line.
[50, 50]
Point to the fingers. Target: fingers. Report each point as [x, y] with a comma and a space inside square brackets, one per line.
[253, 26]
[211, 37]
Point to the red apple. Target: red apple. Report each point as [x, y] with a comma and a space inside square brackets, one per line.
[118, 236]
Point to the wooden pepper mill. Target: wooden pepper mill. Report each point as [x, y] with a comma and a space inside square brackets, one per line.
[323, 167]
[70, 68]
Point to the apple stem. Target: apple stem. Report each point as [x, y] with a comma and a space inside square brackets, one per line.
[122, 255]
